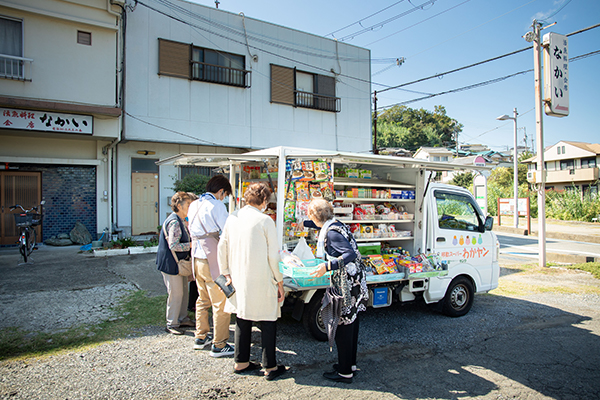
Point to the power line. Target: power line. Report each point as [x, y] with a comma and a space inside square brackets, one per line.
[360, 20]
[241, 33]
[481, 62]
[485, 83]
[172, 131]
[381, 24]
[418, 23]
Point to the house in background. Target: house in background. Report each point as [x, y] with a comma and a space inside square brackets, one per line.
[59, 104]
[568, 165]
[201, 79]
[440, 154]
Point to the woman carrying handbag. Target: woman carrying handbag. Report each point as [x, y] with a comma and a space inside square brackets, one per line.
[338, 247]
[173, 248]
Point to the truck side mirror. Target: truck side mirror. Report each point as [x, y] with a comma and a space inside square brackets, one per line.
[489, 223]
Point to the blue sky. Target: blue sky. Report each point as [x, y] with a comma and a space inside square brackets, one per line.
[447, 34]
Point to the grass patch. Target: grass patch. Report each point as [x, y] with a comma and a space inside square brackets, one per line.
[592, 267]
[134, 312]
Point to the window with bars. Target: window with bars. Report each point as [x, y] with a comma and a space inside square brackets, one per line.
[11, 48]
[303, 89]
[184, 60]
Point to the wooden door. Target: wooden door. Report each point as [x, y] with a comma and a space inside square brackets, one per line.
[144, 202]
[24, 188]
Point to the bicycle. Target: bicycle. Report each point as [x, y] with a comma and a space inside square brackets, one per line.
[26, 222]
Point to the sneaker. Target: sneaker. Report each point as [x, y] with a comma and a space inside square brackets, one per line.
[174, 331]
[199, 344]
[224, 352]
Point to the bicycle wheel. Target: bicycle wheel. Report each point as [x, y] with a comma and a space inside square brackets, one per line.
[30, 241]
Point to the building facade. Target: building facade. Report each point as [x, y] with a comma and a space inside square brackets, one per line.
[200, 79]
[569, 165]
[60, 108]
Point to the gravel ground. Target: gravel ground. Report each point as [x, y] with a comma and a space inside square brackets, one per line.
[58, 310]
[535, 346]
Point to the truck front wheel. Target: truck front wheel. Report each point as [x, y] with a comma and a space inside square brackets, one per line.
[313, 322]
[459, 297]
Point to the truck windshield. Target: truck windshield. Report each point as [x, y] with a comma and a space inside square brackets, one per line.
[456, 211]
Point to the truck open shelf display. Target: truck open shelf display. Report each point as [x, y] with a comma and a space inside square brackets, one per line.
[421, 240]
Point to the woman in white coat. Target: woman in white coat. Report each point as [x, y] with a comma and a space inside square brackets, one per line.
[249, 257]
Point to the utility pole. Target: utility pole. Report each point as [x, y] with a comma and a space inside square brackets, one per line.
[537, 66]
[375, 151]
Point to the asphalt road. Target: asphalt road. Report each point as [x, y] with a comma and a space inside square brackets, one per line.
[526, 249]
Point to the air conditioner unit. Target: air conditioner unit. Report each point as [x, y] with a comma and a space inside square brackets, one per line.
[534, 176]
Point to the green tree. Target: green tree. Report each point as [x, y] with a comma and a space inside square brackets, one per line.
[194, 183]
[401, 126]
[464, 179]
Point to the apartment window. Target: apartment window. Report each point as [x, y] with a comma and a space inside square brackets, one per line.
[588, 162]
[302, 89]
[436, 158]
[563, 149]
[11, 48]
[557, 149]
[183, 60]
[444, 158]
[218, 67]
[566, 164]
[84, 38]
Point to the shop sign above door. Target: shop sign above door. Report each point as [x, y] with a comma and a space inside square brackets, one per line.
[46, 121]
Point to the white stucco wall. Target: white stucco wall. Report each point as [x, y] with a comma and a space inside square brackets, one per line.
[230, 116]
[63, 70]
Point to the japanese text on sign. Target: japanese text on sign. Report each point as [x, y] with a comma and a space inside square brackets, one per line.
[46, 121]
[473, 252]
[556, 75]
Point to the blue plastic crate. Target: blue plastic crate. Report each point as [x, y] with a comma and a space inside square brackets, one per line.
[301, 276]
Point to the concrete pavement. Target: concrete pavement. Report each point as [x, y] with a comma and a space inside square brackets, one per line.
[574, 251]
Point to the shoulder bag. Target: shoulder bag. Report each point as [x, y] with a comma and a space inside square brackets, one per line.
[185, 265]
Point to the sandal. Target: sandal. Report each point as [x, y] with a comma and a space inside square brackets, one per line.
[251, 367]
[274, 374]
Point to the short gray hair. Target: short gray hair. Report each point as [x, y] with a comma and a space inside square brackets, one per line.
[321, 209]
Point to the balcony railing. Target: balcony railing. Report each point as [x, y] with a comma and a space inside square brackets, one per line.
[219, 74]
[317, 101]
[572, 175]
[18, 68]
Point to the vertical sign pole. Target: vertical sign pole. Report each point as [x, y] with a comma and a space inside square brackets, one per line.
[537, 54]
[516, 173]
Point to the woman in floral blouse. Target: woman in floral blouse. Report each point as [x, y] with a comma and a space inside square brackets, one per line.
[176, 239]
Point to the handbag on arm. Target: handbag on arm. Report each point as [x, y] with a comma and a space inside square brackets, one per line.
[184, 266]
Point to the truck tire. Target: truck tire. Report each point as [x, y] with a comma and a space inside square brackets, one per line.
[459, 297]
[313, 323]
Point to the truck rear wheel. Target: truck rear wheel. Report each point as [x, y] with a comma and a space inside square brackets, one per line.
[459, 297]
[312, 320]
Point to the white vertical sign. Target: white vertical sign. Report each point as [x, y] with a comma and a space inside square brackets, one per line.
[556, 75]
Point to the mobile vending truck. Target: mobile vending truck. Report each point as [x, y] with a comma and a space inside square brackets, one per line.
[419, 239]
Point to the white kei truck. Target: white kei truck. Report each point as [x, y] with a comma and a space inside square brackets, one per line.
[435, 219]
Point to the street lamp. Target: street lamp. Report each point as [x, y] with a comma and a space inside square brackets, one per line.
[515, 166]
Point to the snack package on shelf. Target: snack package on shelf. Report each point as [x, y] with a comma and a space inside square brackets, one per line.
[315, 191]
[289, 212]
[378, 265]
[297, 173]
[302, 191]
[340, 172]
[307, 171]
[302, 210]
[321, 171]
[291, 191]
[327, 191]
[366, 231]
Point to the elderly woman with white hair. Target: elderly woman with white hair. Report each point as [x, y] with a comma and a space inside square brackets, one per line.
[338, 247]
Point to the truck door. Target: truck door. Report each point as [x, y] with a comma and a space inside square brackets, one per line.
[459, 236]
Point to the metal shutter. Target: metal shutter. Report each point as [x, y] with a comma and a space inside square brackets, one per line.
[326, 85]
[174, 58]
[282, 85]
